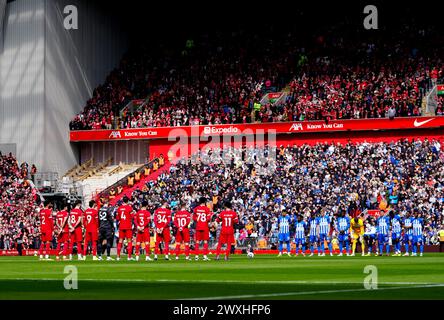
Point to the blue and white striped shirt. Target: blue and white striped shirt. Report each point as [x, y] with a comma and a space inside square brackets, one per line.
[417, 226]
[383, 225]
[284, 224]
[324, 224]
[408, 223]
[300, 230]
[343, 224]
[313, 226]
[396, 225]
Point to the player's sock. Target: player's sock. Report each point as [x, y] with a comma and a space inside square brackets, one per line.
[341, 247]
[219, 246]
[177, 249]
[406, 246]
[108, 249]
[347, 247]
[280, 246]
[48, 247]
[381, 249]
[205, 248]
[354, 247]
[387, 248]
[187, 250]
[362, 248]
[156, 248]
[289, 247]
[421, 248]
[330, 248]
[130, 249]
[167, 249]
[94, 249]
[311, 249]
[119, 249]
[85, 248]
[137, 249]
[42, 247]
[99, 248]
[303, 248]
[227, 253]
[414, 249]
[58, 249]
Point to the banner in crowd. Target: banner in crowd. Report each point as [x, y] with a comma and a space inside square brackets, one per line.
[440, 89]
[258, 128]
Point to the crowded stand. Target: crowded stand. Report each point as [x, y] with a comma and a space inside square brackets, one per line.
[19, 221]
[220, 79]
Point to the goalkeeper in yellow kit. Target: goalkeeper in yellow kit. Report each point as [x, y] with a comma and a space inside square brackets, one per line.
[357, 233]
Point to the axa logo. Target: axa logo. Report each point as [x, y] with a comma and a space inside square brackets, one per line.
[296, 127]
[418, 124]
[216, 130]
[115, 135]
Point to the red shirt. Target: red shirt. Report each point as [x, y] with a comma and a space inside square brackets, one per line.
[162, 218]
[61, 216]
[46, 222]
[202, 215]
[92, 220]
[228, 219]
[125, 217]
[182, 219]
[143, 218]
[75, 216]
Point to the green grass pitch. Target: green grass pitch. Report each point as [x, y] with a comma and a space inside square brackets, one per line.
[264, 277]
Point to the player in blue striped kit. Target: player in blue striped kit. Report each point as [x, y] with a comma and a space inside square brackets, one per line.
[408, 233]
[324, 232]
[299, 238]
[284, 222]
[418, 237]
[343, 227]
[383, 227]
[313, 234]
[396, 233]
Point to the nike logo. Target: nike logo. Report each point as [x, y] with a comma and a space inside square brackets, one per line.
[421, 123]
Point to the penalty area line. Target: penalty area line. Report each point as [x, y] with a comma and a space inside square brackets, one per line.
[299, 293]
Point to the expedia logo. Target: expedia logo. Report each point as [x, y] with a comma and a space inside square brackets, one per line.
[296, 127]
[216, 130]
[115, 135]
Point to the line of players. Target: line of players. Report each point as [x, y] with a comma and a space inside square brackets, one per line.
[96, 227]
[407, 231]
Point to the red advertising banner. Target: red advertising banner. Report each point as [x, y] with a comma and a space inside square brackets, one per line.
[258, 128]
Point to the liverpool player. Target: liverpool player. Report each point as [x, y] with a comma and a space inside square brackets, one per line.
[46, 230]
[202, 216]
[182, 220]
[75, 228]
[162, 220]
[63, 231]
[228, 218]
[143, 222]
[91, 224]
[125, 214]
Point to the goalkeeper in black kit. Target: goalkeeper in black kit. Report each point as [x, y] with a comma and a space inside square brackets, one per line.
[106, 231]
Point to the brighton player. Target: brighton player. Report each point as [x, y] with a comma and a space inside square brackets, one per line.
[357, 234]
[299, 239]
[407, 224]
[418, 238]
[125, 215]
[46, 230]
[143, 223]
[91, 224]
[106, 231]
[395, 221]
[227, 218]
[75, 229]
[324, 232]
[313, 238]
[182, 220]
[162, 221]
[202, 216]
[63, 234]
[343, 228]
[284, 222]
[383, 226]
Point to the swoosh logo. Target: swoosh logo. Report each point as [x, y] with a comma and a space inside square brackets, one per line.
[421, 123]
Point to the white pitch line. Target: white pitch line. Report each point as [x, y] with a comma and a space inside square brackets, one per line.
[227, 281]
[283, 294]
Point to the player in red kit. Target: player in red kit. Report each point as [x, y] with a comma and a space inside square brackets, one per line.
[91, 224]
[125, 214]
[202, 216]
[162, 220]
[228, 218]
[182, 220]
[75, 228]
[46, 230]
[143, 222]
[63, 231]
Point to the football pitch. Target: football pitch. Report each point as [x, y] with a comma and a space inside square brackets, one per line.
[264, 277]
